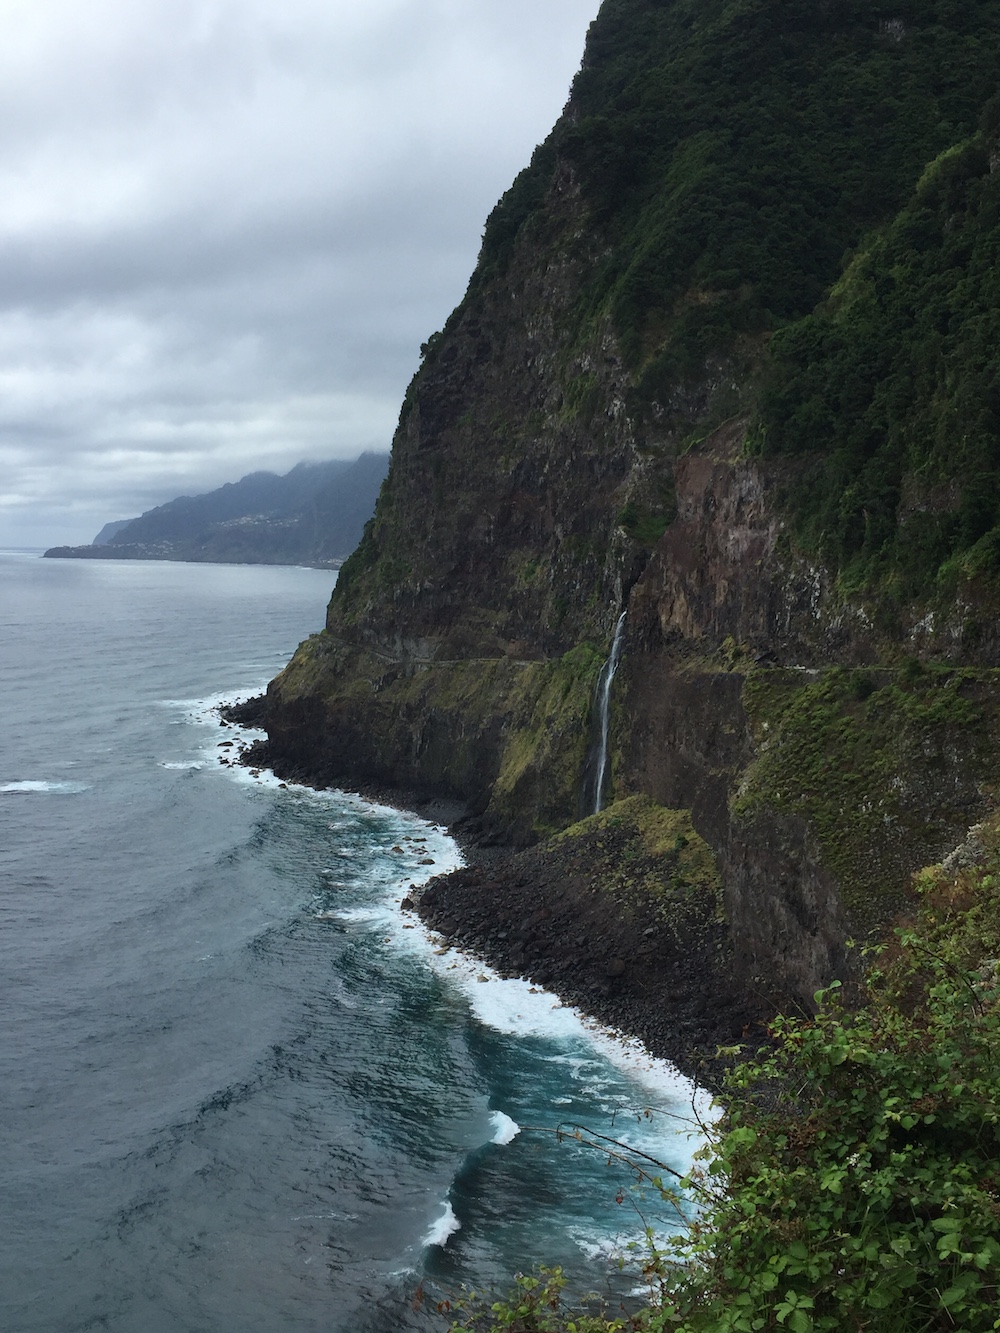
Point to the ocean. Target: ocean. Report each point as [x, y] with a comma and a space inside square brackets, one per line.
[241, 1091]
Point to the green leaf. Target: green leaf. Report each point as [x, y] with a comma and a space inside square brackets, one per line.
[954, 1296]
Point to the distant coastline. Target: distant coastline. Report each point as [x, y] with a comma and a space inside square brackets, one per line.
[136, 552]
[312, 516]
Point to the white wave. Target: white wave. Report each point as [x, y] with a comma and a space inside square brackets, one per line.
[356, 915]
[204, 713]
[577, 1065]
[629, 1249]
[512, 1005]
[430, 840]
[509, 1005]
[600, 1249]
[666, 1110]
[207, 707]
[516, 1006]
[506, 1129]
[692, 1107]
[446, 1226]
[53, 788]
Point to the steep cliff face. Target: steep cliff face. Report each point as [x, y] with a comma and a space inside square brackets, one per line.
[465, 634]
[821, 761]
[576, 443]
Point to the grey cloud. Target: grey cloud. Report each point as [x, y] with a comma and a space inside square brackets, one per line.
[226, 226]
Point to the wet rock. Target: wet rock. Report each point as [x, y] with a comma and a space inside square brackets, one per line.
[538, 915]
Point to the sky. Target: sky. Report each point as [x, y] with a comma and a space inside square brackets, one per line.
[226, 227]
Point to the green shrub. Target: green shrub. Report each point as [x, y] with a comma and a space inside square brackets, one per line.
[860, 1168]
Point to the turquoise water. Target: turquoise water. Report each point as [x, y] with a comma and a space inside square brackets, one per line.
[241, 1089]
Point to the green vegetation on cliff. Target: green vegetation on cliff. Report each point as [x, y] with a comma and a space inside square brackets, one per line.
[731, 152]
[887, 767]
[649, 861]
[890, 392]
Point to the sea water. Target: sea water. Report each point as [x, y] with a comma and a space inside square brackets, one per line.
[242, 1091]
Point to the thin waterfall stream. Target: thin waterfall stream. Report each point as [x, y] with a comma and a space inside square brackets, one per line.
[592, 801]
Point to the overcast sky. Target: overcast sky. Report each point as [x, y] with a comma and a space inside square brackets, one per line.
[226, 226]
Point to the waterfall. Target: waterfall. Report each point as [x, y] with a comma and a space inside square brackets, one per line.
[592, 798]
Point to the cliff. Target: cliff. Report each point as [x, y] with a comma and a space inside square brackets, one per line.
[109, 530]
[614, 418]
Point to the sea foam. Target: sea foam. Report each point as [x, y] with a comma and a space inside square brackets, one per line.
[512, 1006]
[506, 1130]
[53, 788]
[445, 1226]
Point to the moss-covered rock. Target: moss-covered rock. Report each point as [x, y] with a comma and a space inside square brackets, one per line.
[647, 859]
[887, 767]
[504, 736]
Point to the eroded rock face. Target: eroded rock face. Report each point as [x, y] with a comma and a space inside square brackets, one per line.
[714, 603]
[748, 694]
[722, 579]
[784, 908]
[499, 513]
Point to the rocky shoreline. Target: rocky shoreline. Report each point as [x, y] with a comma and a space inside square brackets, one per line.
[560, 914]
[537, 914]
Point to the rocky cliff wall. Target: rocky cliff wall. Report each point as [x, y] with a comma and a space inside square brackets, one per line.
[466, 633]
[560, 457]
[819, 768]
[822, 762]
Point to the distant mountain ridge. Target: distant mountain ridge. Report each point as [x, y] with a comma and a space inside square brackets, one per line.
[313, 515]
[109, 530]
